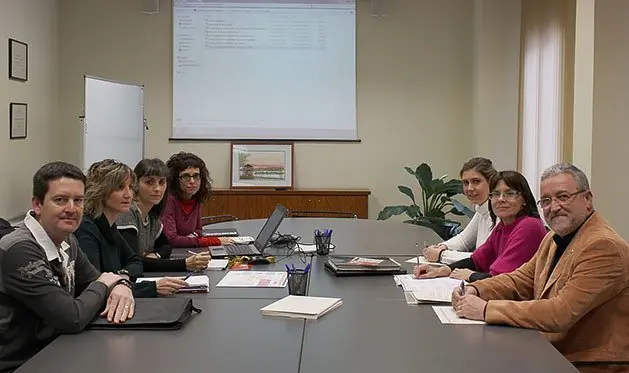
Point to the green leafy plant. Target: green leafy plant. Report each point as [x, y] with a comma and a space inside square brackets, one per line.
[435, 204]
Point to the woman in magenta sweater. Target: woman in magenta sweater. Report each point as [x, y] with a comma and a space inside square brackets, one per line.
[513, 241]
[189, 187]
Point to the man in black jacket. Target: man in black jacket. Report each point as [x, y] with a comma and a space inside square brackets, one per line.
[47, 285]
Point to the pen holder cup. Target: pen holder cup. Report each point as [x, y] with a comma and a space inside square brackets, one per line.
[324, 244]
[297, 282]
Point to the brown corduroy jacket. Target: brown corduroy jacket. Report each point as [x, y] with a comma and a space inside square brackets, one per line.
[582, 307]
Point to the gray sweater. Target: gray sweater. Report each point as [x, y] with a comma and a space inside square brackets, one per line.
[42, 296]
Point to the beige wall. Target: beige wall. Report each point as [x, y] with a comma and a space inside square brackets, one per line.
[496, 81]
[610, 130]
[414, 84]
[35, 23]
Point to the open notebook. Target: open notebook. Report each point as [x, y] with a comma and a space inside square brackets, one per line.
[196, 284]
[301, 307]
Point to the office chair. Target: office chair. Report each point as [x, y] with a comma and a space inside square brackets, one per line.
[322, 214]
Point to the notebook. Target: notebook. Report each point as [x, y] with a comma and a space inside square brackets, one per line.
[302, 307]
[196, 284]
[217, 264]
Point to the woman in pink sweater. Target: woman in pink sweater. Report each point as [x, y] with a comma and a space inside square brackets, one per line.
[513, 241]
[189, 187]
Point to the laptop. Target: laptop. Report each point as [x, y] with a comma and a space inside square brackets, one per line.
[257, 247]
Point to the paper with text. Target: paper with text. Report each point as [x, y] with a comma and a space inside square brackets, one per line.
[253, 279]
[429, 289]
[447, 315]
[423, 260]
[217, 264]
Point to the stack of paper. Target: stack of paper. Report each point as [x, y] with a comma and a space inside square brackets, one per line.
[253, 279]
[428, 290]
[301, 307]
[196, 284]
[217, 264]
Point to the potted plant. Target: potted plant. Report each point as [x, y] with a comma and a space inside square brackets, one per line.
[436, 202]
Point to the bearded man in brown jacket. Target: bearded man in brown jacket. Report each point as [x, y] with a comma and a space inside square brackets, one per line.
[575, 290]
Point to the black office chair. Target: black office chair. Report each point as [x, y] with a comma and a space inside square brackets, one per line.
[322, 214]
[207, 220]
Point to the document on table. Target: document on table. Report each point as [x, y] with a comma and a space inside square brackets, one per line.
[447, 315]
[253, 279]
[429, 289]
[306, 248]
[217, 264]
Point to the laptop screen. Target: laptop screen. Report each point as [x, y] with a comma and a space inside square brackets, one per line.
[270, 226]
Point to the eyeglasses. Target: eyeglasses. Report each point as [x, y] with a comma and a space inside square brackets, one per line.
[509, 195]
[561, 198]
[186, 177]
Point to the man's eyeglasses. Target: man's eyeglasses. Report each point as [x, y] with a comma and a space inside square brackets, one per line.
[561, 198]
[186, 177]
[508, 195]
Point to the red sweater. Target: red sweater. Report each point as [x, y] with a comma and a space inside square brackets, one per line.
[179, 223]
[509, 246]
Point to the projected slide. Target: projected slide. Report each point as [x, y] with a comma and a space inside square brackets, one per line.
[264, 69]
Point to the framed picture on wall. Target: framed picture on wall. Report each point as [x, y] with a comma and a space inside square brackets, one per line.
[18, 60]
[17, 120]
[262, 165]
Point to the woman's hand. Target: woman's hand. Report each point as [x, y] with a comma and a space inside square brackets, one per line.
[428, 271]
[462, 274]
[198, 262]
[169, 285]
[432, 252]
[225, 240]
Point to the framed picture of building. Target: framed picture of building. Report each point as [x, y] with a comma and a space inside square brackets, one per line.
[262, 165]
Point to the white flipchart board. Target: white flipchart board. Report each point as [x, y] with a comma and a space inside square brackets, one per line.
[113, 126]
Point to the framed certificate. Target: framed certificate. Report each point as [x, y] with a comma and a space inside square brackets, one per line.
[17, 120]
[18, 60]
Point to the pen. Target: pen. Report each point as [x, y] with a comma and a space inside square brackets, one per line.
[462, 287]
[287, 268]
[307, 268]
[293, 267]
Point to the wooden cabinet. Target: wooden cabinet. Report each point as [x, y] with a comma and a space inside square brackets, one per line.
[259, 203]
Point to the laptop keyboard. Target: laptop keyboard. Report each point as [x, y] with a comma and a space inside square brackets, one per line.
[239, 249]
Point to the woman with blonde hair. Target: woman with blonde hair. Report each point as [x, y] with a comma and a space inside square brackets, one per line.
[107, 195]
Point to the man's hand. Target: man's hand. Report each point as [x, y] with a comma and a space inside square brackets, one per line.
[471, 307]
[428, 271]
[432, 252]
[456, 294]
[108, 278]
[198, 262]
[169, 285]
[462, 274]
[120, 305]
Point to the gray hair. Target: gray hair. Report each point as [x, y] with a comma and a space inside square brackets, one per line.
[567, 168]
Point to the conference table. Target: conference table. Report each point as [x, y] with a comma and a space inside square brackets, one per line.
[374, 330]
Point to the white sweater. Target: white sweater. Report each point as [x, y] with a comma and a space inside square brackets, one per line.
[474, 235]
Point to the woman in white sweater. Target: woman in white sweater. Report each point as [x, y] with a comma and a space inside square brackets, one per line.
[475, 175]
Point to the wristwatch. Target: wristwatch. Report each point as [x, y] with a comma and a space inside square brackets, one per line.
[125, 282]
[124, 272]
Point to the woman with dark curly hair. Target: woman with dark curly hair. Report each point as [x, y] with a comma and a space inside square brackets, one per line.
[189, 186]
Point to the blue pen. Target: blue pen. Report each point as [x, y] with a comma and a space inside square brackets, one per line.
[287, 268]
[307, 268]
[293, 267]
